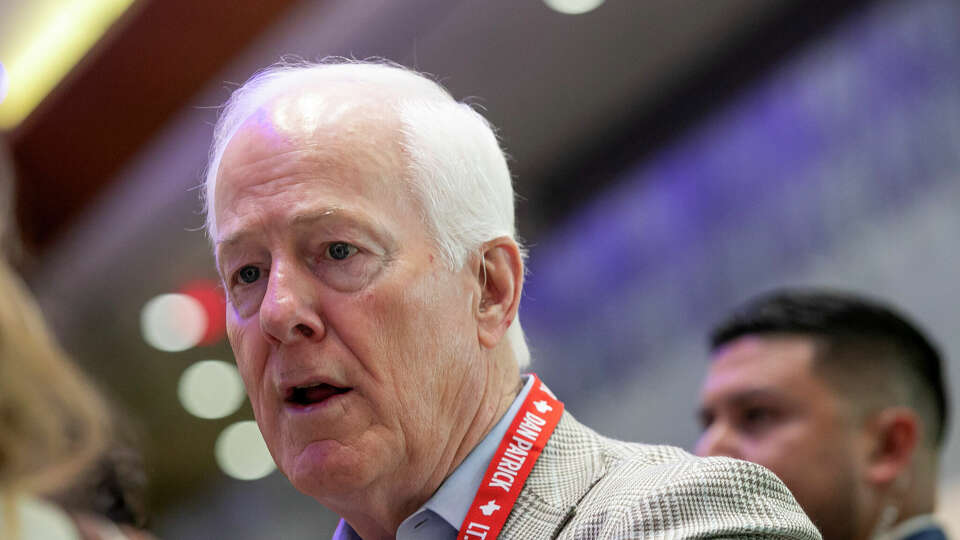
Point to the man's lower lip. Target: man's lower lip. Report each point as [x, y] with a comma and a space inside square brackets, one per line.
[297, 408]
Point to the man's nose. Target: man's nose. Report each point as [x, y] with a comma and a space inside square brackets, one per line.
[289, 310]
[718, 440]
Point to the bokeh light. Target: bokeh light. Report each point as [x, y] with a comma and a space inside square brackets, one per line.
[573, 7]
[211, 389]
[210, 296]
[241, 452]
[173, 322]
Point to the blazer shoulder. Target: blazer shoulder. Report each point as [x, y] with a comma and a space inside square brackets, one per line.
[652, 489]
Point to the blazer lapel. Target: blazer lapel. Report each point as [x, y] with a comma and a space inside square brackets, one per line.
[570, 464]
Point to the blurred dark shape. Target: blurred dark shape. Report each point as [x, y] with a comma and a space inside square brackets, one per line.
[9, 232]
[115, 487]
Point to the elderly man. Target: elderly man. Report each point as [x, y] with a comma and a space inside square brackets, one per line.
[362, 222]
[842, 398]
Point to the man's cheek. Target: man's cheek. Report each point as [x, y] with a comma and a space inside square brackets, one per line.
[234, 330]
[252, 376]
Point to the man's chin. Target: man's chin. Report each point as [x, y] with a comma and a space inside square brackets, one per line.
[326, 469]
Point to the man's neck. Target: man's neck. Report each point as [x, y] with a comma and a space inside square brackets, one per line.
[381, 519]
[483, 422]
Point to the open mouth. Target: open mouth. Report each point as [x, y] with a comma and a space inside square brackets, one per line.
[305, 396]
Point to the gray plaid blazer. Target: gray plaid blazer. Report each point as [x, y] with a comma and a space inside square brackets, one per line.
[586, 486]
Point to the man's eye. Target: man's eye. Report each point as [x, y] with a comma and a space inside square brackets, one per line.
[705, 419]
[340, 250]
[248, 274]
[757, 416]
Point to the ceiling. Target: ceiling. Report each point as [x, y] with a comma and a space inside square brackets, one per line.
[146, 67]
[107, 162]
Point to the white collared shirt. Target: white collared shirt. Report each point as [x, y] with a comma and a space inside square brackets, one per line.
[441, 516]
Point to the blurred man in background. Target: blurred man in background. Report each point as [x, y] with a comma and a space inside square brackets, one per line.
[363, 227]
[842, 398]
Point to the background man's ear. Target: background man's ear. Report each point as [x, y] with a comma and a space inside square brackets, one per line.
[501, 280]
[896, 434]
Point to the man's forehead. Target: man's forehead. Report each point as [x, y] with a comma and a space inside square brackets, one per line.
[756, 360]
[306, 114]
[321, 129]
[766, 349]
[296, 144]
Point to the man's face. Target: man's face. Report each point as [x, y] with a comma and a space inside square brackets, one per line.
[353, 339]
[762, 402]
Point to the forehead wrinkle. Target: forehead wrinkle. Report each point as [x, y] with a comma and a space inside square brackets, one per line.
[319, 163]
[251, 161]
[370, 151]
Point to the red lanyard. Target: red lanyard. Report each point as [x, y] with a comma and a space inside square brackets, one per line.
[518, 451]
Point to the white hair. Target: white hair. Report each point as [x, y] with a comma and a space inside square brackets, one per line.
[455, 167]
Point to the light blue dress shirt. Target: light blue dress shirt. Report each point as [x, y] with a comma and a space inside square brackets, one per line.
[441, 516]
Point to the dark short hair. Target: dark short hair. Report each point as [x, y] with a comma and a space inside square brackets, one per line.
[857, 325]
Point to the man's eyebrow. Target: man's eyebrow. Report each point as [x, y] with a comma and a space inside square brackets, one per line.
[230, 240]
[343, 216]
[310, 216]
[747, 397]
[754, 393]
[313, 216]
[702, 413]
[739, 397]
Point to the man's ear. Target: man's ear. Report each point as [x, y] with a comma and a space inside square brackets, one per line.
[895, 435]
[500, 274]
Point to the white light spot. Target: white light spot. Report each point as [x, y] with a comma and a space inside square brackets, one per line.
[241, 452]
[211, 389]
[4, 85]
[573, 7]
[173, 322]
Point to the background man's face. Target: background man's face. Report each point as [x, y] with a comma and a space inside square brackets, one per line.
[353, 339]
[762, 402]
